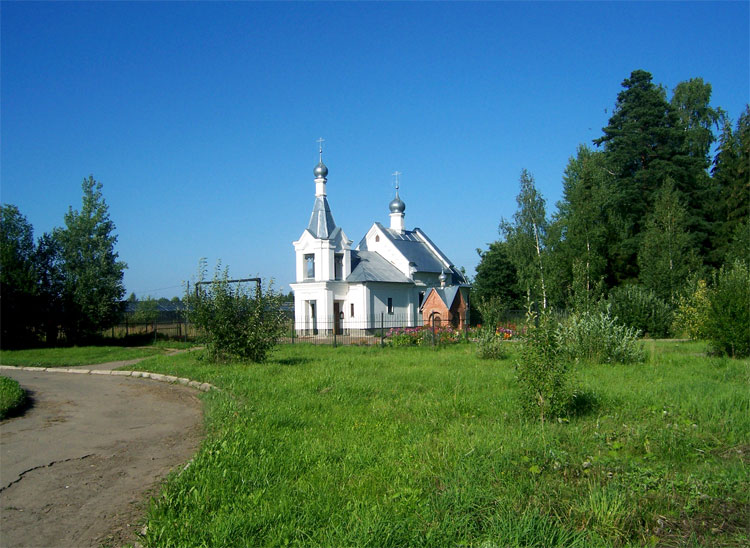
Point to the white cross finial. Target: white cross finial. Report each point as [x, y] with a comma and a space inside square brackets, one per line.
[396, 174]
[320, 142]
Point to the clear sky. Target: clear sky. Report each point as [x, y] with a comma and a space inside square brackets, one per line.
[200, 119]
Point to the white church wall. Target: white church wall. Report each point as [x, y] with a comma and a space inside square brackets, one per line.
[376, 241]
[403, 300]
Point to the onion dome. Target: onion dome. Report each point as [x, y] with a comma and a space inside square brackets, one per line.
[397, 205]
[320, 170]
[443, 277]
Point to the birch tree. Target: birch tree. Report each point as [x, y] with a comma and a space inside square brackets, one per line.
[525, 239]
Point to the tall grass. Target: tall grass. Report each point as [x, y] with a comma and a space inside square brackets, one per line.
[413, 446]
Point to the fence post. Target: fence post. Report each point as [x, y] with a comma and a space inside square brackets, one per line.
[433, 330]
[334, 331]
[126, 327]
[155, 330]
[382, 329]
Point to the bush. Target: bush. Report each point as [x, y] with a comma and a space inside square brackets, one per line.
[491, 345]
[691, 316]
[235, 324]
[543, 373]
[729, 312]
[640, 308]
[599, 337]
[12, 396]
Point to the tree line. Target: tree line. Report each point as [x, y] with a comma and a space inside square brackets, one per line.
[66, 283]
[646, 210]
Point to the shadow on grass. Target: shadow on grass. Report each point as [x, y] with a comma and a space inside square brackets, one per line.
[583, 402]
[293, 361]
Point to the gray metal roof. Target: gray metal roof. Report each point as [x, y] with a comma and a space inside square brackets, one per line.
[412, 248]
[447, 294]
[414, 245]
[321, 223]
[369, 266]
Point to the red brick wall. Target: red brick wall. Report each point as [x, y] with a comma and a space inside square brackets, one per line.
[435, 307]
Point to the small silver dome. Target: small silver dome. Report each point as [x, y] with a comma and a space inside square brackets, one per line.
[397, 205]
[443, 276]
[320, 170]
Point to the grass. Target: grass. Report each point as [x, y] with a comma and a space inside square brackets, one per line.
[12, 397]
[74, 355]
[414, 446]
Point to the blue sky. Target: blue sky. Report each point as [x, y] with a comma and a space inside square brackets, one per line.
[200, 119]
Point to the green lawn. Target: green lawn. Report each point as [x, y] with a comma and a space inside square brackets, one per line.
[414, 446]
[74, 355]
[12, 396]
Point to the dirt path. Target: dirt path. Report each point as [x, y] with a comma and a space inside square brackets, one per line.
[77, 468]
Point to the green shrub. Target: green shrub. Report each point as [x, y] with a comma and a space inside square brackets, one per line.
[640, 308]
[491, 345]
[691, 316]
[543, 373]
[729, 311]
[12, 396]
[599, 337]
[233, 323]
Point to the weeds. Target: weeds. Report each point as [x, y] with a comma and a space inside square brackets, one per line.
[598, 337]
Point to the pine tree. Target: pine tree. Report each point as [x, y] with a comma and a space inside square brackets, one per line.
[731, 174]
[644, 143]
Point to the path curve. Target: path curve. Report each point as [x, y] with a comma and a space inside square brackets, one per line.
[77, 468]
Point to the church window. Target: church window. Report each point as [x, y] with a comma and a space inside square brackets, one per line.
[377, 238]
[421, 298]
[390, 305]
[352, 309]
[338, 266]
[310, 266]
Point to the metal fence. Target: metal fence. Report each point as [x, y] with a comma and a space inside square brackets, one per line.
[376, 330]
[372, 331]
[170, 324]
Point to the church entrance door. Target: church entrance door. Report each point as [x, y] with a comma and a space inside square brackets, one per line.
[337, 314]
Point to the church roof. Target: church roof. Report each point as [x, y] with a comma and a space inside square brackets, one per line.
[417, 248]
[446, 294]
[321, 223]
[369, 266]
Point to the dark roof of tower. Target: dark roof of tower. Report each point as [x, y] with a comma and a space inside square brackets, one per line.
[321, 223]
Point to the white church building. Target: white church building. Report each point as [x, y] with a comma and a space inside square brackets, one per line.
[389, 275]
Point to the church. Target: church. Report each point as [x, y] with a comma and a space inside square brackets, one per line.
[393, 276]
